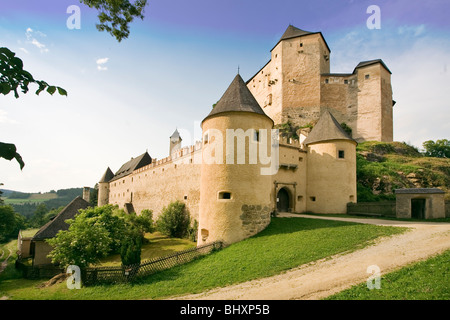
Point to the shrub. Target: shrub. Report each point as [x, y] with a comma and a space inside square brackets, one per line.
[174, 220]
[130, 252]
[145, 221]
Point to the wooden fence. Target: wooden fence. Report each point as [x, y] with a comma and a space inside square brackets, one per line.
[122, 274]
[37, 272]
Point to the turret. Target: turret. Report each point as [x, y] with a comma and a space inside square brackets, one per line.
[234, 194]
[175, 142]
[103, 188]
[331, 178]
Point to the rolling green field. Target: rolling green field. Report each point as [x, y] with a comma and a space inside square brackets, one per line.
[286, 243]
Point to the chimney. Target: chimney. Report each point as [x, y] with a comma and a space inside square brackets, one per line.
[86, 194]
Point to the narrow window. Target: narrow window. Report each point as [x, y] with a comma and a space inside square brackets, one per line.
[367, 76]
[341, 154]
[206, 139]
[326, 80]
[313, 199]
[345, 81]
[225, 195]
[185, 197]
[256, 136]
[301, 44]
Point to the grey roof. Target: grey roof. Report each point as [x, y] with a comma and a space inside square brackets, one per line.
[327, 128]
[51, 228]
[237, 98]
[419, 190]
[294, 32]
[134, 164]
[175, 136]
[370, 62]
[107, 176]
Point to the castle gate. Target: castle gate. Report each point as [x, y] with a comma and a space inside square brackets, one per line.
[283, 200]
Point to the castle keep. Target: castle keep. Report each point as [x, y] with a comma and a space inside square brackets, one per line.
[243, 170]
[296, 85]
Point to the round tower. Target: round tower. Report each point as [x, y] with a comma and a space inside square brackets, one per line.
[103, 188]
[234, 194]
[331, 177]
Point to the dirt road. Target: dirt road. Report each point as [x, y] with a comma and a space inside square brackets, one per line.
[328, 276]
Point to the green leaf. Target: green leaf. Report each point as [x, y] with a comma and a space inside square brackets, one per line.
[61, 91]
[51, 89]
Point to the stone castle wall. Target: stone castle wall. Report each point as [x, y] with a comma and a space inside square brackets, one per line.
[156, 185]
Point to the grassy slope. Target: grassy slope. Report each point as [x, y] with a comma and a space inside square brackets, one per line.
[383, 167]
[285, 244]
[425, 280]
[158, 246]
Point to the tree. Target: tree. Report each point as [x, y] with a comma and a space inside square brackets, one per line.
[112, 219]
[84, 243]
[439, 149]
[130, 251]
[174, 220]
[116, 15]
[38, 219]
[10, 223]
[144, 222]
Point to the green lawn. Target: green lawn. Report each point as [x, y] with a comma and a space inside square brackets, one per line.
[285, 244]
[425, 280]
[158, 246]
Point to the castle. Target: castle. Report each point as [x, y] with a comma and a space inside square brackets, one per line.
[243, 170]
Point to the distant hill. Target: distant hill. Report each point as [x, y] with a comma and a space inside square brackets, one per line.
[26, 203]
[383, 167]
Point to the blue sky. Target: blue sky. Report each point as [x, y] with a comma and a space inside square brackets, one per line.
[126, 98]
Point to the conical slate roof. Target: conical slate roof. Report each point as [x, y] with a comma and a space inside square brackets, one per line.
[237, 98]
[327, 128]
[107, 176]
[175, 136]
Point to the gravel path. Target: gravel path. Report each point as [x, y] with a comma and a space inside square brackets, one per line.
[322, 278]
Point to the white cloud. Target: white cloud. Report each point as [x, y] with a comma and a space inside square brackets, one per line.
[24, 50]
[100, 62]
[30, 34]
